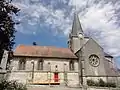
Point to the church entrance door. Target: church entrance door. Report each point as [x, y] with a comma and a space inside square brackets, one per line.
[56, 77]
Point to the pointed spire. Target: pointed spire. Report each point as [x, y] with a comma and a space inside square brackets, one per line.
[76, 28]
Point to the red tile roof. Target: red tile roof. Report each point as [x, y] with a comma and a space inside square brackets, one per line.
[43, 51]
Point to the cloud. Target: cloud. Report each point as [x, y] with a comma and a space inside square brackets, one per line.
[35, 13]
[100, 18]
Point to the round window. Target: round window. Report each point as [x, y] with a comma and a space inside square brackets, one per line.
[94, 60]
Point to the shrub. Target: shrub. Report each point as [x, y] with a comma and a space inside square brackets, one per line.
[111, 84]
[101, 83]
[11, 85]
[91, 83]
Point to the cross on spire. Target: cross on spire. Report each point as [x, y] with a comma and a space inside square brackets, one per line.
[76, 27]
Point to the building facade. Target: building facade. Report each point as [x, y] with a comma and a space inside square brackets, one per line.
[49, 66]
[84, 59]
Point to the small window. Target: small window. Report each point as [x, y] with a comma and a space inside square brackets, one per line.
[71, 65]
[49, 66]
[40, 65]
[56, 68]
[22, 64]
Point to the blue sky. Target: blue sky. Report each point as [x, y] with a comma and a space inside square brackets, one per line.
[44, 38]
[48, 22]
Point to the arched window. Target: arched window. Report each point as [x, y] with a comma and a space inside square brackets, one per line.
[71, 65]
[22, 64]
[40, 64]
[56, 68]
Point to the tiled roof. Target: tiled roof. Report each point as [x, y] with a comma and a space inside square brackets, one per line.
[107, 55]
[43, 51]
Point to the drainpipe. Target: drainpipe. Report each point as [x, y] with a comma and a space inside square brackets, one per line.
[80, 69]
[81, 37]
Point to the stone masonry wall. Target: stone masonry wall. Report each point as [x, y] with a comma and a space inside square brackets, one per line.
[25, 76]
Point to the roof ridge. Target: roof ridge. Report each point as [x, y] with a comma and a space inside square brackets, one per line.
[41, 46]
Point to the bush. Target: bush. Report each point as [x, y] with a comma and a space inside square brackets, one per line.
[11, 85]
[111, 84]
[91, 83]
[100, 83]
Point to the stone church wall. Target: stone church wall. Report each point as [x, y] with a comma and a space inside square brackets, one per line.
[19, 76]
[75, 44]
[73, 79]
[93, 48]
[25, 76]
[53, 62]
[44, 77]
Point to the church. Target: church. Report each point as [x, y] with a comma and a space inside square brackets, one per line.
[83, 60]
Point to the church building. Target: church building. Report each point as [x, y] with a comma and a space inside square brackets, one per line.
[83, 60]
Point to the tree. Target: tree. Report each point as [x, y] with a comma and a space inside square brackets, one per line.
[7, 30]
[11, 85]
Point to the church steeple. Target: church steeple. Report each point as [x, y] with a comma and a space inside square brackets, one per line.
[76, 27]
[76, 37]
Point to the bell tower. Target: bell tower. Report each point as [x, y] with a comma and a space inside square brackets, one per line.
[76, 36]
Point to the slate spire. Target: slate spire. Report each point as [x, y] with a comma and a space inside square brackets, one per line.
[76, 27]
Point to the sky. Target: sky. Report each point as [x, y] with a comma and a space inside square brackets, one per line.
[48, 22]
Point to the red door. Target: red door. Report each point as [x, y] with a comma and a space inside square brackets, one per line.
[56, 78]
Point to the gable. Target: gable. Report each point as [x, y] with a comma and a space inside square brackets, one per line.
[93, 48]
[87, 40]
[93, 43]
